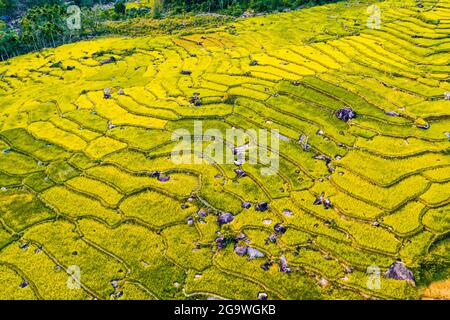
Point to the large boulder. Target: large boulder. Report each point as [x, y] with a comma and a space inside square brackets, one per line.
[284, 265]
[241, 250]
[254, 253]
[345, 114]
[399, 271]
[225, 218]
[262, 206]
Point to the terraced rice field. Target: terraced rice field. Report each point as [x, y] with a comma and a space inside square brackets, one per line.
[76, 169]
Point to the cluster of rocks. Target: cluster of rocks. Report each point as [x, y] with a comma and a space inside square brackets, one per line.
[303, 140]
[109, 60]
[345, 114]
[321, 200]
[279, 230]
[248, 14]
[159, 176]
[221, 242]
[239, 248]
[195, 100]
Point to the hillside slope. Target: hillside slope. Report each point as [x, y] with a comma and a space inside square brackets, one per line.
[78, 190]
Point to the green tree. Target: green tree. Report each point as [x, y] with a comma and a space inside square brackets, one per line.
[119, 7]
[156, 9]
[6, 6]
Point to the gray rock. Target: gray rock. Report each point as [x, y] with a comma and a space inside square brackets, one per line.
[107, 61]
[240, 236]
[398, 271]
[246, 205]
[273, 238]
[107, 93]
[225, 218]
[425, 126]
[221, 242]
[241, 250]
[195, 100]
[186, 72]
[202, 213]
[163, 178]
[266, 266]
[284, 265]
[240, 173]
[155, 174]
[262, 296]
[323, 158]
[327, 204]
[447, 95]
[190, 220]
[279, 228]
[254, 253]
[345, 114]
[319, 199]
[288, 212]
[392, 113]
[262, 206]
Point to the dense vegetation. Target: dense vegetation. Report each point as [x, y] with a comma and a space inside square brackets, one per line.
[237, 7]
[42, 24]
